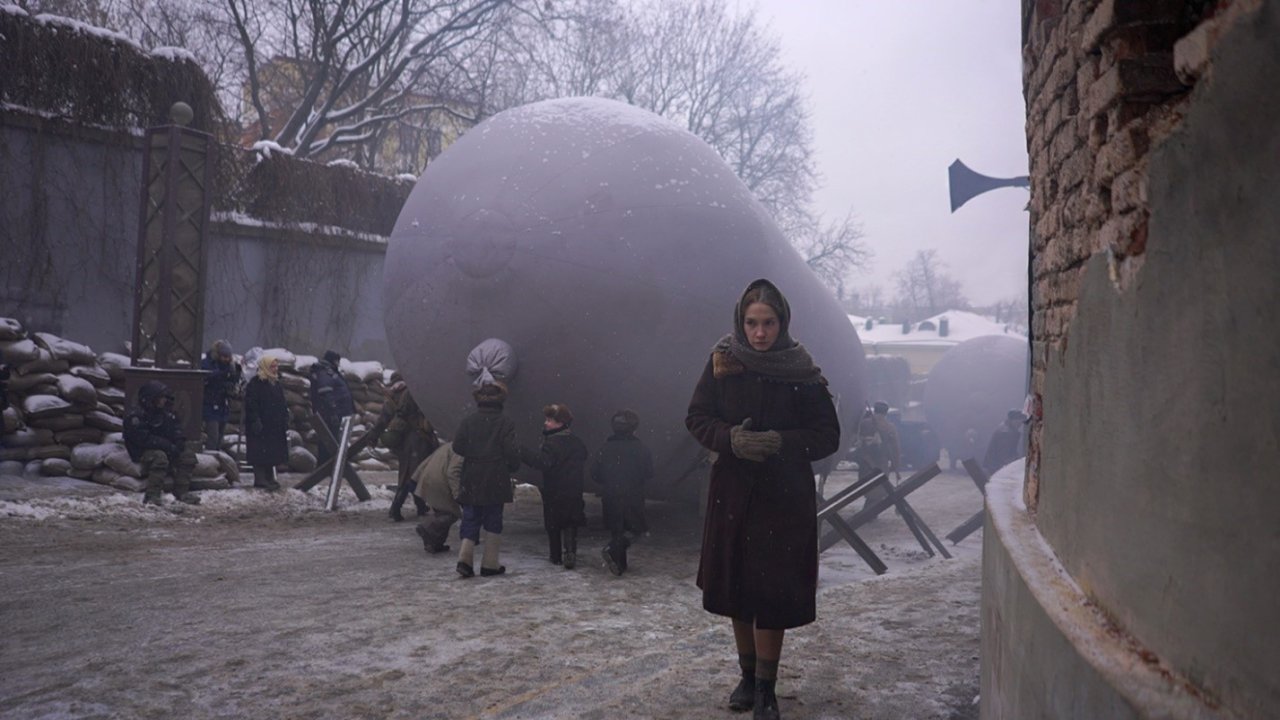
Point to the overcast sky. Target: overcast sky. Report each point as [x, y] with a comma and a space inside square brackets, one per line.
[898, 90]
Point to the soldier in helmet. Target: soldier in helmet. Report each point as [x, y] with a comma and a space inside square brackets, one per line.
[153, 435]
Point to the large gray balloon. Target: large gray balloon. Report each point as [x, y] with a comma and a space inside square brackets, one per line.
[972, 388]
[607, 247]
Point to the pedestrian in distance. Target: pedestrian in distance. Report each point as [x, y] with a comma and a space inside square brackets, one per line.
[330, 398]
[762, 407]
[1005, 445]
[221, 384]
[486, 440]
[620, 469]
[438, 482]
[403, 429]
[154, 438]
[562, 458]
[266, 417]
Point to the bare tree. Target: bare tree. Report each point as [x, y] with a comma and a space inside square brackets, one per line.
[925, 288]
[833, 250]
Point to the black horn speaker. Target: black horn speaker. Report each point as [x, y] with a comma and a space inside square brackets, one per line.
[965, 183]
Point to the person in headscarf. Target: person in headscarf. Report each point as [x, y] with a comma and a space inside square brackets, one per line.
[266, 422]
[220, 385]
[762, 407]
[486, 440]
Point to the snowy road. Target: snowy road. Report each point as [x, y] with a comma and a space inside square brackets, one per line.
[262, 606]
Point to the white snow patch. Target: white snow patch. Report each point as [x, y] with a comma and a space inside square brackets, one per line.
[174, 54]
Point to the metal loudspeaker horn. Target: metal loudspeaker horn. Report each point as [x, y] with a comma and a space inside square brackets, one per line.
[965, 183]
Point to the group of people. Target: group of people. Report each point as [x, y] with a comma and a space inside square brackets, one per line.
[761, 407]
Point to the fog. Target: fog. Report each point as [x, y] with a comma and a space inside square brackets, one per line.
[898, 90]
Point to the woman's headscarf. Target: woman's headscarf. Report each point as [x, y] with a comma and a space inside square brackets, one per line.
[269, 368]
[787, 360]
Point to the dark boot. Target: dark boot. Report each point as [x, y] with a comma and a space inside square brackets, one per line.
[766, 702]
[615, 554]
[553, 541]
[421, 505]
[402, 494]
[743, 697]
[570, 547]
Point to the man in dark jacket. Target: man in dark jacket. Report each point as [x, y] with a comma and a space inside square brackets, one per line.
[562, 458]
[330, 397]
[621, 468]
[486, 440]
[220, 385]
[403, 429]
[153, 435]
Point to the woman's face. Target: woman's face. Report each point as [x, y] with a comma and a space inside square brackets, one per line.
[760, 323]
[550, 425]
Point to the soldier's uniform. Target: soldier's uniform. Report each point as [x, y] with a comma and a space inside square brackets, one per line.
[153, 435]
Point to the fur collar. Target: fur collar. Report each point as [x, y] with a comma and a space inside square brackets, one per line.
[724, 364]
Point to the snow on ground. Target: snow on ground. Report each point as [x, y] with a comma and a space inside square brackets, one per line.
[265, 605]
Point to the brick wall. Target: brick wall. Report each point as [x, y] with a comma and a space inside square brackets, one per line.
[1105, 81]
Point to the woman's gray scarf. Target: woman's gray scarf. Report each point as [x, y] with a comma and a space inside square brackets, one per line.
[793, 364]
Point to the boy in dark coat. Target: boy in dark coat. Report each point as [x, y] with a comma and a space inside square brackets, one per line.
[562, 460]
[621, 468]
[220, 385]
[486, 440]
[153, 436]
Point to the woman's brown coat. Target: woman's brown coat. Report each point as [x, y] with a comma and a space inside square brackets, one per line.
[759, 546]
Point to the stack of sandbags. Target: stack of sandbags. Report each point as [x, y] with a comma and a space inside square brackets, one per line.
[369, 392]
[65, 414]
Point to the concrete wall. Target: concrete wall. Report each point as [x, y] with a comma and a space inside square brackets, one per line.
[68, 236]
[1156, 447]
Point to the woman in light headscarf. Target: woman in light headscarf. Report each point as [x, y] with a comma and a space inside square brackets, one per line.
[266, 423]
[763, 408]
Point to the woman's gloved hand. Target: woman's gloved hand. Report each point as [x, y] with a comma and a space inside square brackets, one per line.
[754, 445]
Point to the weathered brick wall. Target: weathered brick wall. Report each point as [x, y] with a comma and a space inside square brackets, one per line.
[1104, 81]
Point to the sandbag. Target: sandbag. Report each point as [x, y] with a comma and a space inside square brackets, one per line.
[297, 383]
[128, 484]
[294, 437]
[115, 437]
[10, 330]
[293, 397]
[11, 467]
[302, 364]
[44, 452]
[88, 456]
[363, 371]
[32, 469]
[114, 364]
[12, 454]
[111, 395]
[92, 374]
[42, 406]
[69, 421]
[28, 437]
[300, 460]
[79, 474]
[206, 465]
[372, 465]
[77, 390]
[44, 362]
[26, 384]
[64, 349]
[55, 467]
[228, 466]
[12, 420]
[104, 421]
[120, 462]
[19, 352]
[213, 483]
[71, 438]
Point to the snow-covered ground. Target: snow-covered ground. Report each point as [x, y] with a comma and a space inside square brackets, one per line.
[264, 605]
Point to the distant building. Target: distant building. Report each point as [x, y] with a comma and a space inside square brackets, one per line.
[924, 342]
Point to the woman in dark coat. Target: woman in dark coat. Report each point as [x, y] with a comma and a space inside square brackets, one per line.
[562, 458]
[486, 440]
[763, 408]
[266, 421]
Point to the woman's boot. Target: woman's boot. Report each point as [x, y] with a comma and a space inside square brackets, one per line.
[743, 697]
[766, 701]
[570, 547]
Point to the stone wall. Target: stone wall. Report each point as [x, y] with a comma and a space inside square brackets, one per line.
[69, 203]
[1155, 441]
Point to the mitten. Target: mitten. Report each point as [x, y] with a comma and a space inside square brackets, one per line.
[751, 445]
